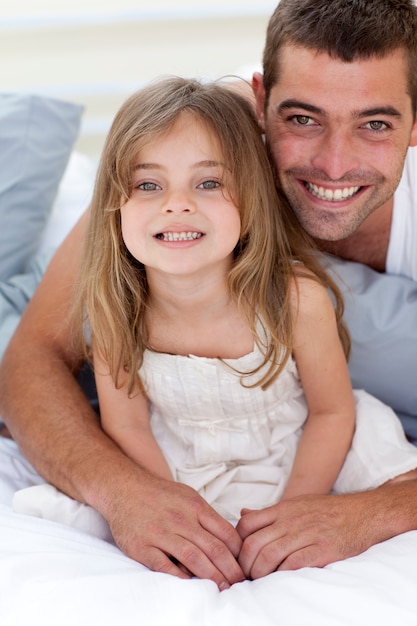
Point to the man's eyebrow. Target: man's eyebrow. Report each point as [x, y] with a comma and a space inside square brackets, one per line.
[299, 104]
[311, 108]
[375, 111]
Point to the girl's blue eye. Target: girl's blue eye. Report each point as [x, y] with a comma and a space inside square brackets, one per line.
[209, 184]
[148, 186]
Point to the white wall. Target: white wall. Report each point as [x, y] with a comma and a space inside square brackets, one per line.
[98, 51]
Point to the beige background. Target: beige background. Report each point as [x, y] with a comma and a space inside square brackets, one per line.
[97, 52]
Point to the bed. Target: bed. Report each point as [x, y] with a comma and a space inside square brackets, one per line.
[52, 574]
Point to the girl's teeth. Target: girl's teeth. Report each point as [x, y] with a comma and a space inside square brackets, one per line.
[183, 236]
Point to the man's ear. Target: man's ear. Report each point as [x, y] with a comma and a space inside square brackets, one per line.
[259, 92]
[413, 139]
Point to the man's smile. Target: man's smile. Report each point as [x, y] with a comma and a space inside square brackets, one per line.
[332, 195]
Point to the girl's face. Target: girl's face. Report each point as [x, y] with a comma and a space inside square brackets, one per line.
[179, 218]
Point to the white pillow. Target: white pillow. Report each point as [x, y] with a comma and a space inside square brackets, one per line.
[73, 197]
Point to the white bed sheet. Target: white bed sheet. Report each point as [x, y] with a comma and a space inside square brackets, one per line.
[54, 575]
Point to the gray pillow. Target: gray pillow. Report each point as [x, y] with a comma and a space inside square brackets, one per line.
[15, 294]
[381, 313]
[37, 135]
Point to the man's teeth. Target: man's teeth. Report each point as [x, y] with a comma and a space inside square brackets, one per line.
[334, 195]
[183, 236]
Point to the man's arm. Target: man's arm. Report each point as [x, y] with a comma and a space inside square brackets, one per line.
[54, 425]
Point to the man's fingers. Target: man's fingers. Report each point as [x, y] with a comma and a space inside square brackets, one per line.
[271, 558]
[185, 559]
[220, 529]
[220, 556]
[210, 550]
[265, 554]
[158, 561]
[311, 556]
[253, 521]
[274, 540]
[261, 553]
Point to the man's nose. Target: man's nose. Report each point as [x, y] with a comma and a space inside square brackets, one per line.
[336, 155]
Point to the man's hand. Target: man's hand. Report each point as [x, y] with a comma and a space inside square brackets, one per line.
[169, 528]
[313, 531]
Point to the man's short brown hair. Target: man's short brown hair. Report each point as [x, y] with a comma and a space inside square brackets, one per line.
[348, 30]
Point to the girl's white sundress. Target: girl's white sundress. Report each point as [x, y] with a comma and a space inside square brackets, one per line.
[235, 445]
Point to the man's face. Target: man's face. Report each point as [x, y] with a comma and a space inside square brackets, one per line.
[338, 133]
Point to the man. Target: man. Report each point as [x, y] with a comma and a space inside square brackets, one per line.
[384, 240]
[338, 124]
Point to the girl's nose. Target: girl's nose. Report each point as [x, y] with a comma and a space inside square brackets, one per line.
[178, 203]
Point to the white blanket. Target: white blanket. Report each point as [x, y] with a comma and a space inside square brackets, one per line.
[54, 575]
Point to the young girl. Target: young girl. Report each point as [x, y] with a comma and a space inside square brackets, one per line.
[217, 351]
[219, 357]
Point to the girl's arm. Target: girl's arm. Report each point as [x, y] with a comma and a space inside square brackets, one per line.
[322, 366]
[126, 420]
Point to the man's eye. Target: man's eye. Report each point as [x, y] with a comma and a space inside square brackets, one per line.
[148, 186]
[209, 184]
[302, 120]
[376, 125]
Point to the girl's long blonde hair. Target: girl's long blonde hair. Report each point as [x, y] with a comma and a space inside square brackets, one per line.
[112, 291]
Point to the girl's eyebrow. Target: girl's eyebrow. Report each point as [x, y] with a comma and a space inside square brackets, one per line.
[147, 166]
[158, 166]
[209, 163]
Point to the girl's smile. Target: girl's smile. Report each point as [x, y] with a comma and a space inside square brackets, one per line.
[179, 236]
